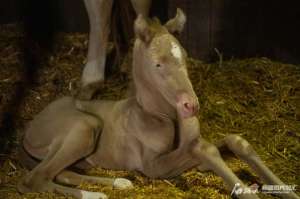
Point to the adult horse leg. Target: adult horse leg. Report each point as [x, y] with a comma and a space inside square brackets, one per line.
[141, 6]
[99, 13]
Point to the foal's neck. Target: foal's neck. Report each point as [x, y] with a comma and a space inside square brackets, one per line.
[153, 103]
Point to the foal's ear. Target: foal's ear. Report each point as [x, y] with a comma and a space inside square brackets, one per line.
[176, 24]
[142, 29]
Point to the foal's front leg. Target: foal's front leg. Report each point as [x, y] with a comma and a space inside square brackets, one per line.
[211, 159]
[193, 151]
[242, 149]
[199, 152]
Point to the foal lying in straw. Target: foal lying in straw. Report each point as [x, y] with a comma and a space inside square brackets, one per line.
[154, 132]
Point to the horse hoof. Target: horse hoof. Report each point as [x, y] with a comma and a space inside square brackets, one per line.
[86, 92]
[92, 195]
[122, 183]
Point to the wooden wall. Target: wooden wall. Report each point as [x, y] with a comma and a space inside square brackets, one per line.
[236, 28]
[203, 25]
[241, 28]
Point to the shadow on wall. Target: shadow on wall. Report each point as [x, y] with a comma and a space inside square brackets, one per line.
[38, 26]
[261, 28]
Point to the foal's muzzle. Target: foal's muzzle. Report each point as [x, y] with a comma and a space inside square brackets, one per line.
[187, 105]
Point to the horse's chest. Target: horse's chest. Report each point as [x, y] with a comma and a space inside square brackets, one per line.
[159, 140]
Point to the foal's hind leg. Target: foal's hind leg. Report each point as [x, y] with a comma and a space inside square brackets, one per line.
[242, 149]
[72, 178]
[79, 143]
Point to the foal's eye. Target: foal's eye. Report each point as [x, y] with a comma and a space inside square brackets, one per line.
[158, 65]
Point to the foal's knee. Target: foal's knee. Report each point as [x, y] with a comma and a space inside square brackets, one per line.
[83, 140]
[206, 150]
[239, 146]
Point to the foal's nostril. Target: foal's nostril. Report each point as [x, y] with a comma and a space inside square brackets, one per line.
[187, 105]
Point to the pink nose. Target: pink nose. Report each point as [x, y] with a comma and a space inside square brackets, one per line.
[187, 105]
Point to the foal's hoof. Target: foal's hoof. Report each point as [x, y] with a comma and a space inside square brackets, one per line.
[92, 195]
[122, 183]
[22, 188]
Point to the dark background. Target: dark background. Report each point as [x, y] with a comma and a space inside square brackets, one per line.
[236, 28]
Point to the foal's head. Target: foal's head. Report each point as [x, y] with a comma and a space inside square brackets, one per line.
[160, 62]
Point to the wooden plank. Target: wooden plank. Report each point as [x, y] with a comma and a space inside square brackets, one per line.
[236, 28]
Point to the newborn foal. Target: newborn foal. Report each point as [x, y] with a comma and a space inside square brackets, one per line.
[155, 132]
